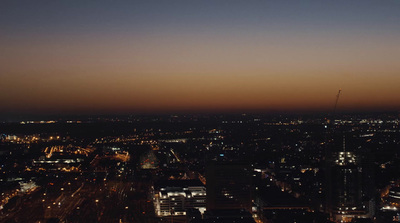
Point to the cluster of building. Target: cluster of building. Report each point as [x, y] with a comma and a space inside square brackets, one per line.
[227, 169]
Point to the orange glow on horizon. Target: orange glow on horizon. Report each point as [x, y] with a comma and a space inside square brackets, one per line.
[124, 93]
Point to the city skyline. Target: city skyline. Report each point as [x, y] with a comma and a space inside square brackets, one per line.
[200, 56]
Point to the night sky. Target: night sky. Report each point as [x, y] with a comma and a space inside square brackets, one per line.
[73, 57]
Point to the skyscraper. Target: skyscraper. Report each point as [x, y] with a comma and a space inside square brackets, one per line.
[345, 177]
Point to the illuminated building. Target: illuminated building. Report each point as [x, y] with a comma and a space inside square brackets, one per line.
[345, 193]
[175, 197]
[394, 196]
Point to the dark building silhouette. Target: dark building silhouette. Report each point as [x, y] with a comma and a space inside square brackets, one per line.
[228, 216]
[228, 186]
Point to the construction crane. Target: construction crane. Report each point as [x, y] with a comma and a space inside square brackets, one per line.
[332, 118]
[337, 99]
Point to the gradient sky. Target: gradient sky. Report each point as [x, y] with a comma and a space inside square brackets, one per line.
[73, 57]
